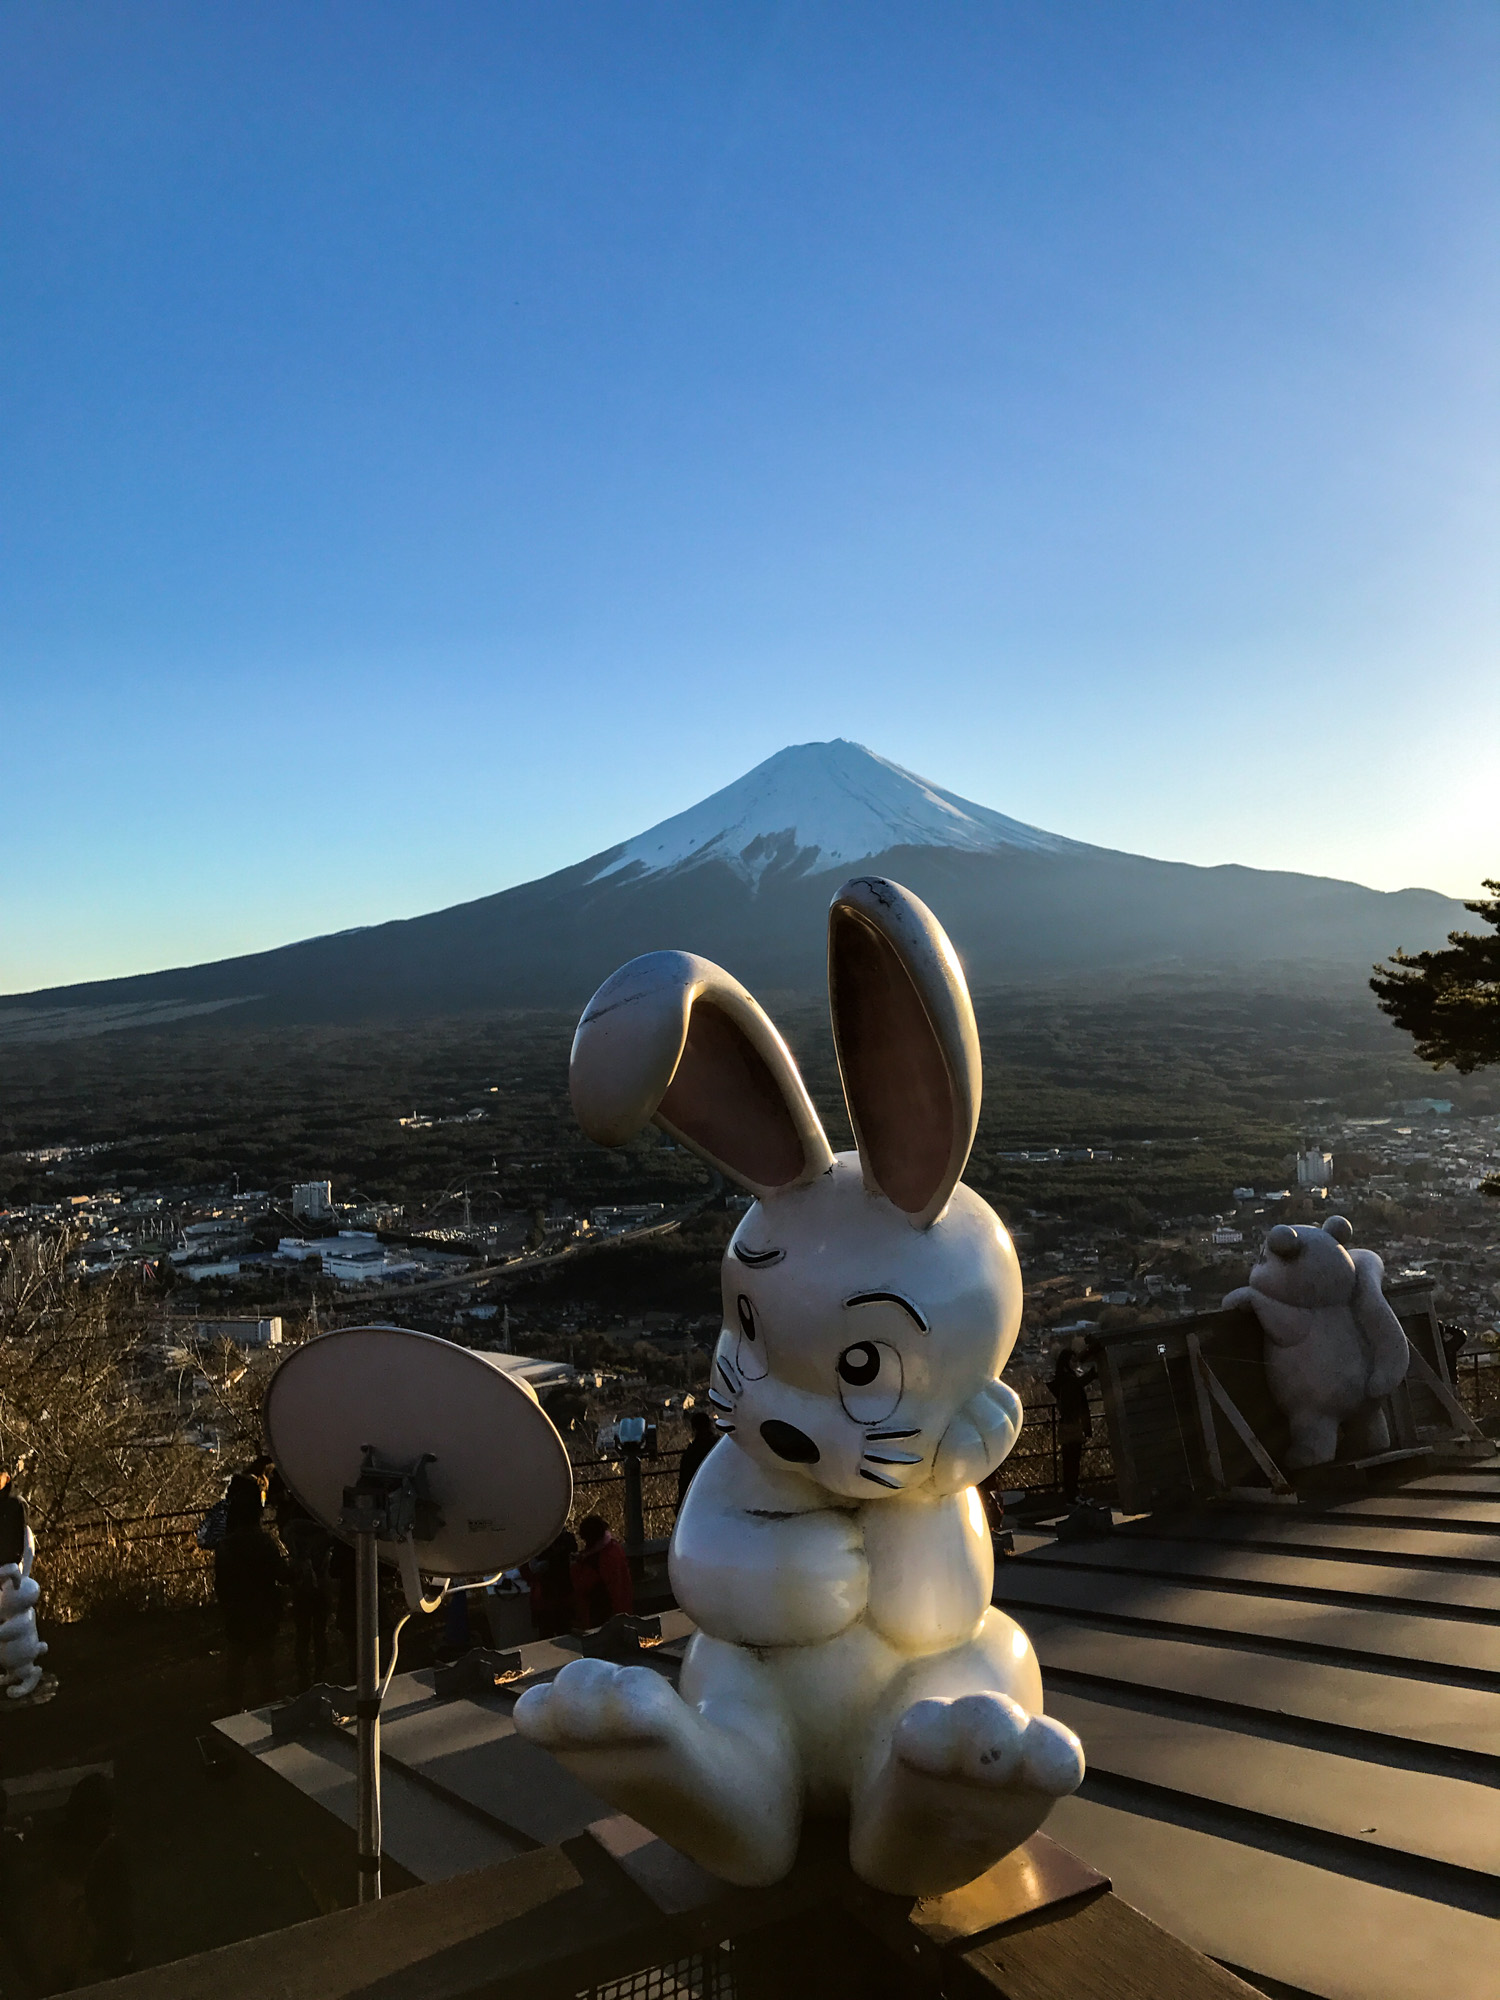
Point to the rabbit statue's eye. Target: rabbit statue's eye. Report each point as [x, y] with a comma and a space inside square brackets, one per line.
[871, 1379]
[750, 1348]
[859, 1365]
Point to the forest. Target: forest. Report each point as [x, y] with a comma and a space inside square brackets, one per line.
[1192, 1088]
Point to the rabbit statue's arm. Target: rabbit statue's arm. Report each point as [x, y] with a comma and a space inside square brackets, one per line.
[763, 1558]
[979, 1437]
[931, 1569]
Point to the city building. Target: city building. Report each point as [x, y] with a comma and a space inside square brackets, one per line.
[615, 1221]
[312, 1201]
[243, 1332]
[353, 1257]
[374, 1215]
[216, 1236]
[204, 1235]
[1314, 1168]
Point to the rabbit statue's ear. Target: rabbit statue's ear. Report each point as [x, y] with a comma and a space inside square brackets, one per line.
[673, 1040]
[908, 1050]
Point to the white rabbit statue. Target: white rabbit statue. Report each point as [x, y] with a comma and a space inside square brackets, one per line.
[20, 1648]
[833, 1554]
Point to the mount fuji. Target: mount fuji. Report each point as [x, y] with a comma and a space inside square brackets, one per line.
[745, 877]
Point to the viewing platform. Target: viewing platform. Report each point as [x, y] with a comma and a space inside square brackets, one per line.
[1292, 1728]
[1285, 1683]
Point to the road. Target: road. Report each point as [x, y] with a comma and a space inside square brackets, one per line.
[491, 1274]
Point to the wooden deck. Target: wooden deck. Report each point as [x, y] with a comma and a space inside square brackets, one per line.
[516, 1883]
[1293, 1731]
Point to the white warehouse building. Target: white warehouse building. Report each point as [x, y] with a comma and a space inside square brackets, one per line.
[353, 1257]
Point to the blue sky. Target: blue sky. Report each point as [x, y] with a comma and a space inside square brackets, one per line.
[437, 441]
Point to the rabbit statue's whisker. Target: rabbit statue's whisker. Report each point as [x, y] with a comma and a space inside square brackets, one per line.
[889, 1437]
[893, 1458]
[879, 1479]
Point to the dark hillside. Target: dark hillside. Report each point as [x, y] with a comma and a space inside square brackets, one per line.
[1014, 916]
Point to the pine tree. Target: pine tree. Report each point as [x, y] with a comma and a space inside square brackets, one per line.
[1449, 1001]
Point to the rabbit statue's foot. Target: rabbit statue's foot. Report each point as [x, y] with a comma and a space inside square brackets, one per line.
[965, 1781]
[723, 1793]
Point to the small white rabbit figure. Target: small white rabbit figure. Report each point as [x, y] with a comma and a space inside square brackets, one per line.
[833, 1553]
[20, 1648]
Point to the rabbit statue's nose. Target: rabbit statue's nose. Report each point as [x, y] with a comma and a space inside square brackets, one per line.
[790, 1443]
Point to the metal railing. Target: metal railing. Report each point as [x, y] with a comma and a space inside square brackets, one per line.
[1476, 1382]
[153, 1559]
[1035, 1466]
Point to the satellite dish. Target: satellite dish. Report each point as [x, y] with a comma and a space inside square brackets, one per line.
[424, 1455]
[497, 1474]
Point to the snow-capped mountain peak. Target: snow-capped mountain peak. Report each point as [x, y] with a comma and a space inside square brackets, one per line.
[816, 806]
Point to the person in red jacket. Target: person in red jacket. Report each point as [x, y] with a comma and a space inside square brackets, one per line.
[549, 1578]
[601, 1575]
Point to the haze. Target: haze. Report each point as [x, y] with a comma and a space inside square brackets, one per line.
[436, 444]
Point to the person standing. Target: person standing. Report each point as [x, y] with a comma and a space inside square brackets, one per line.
[250, 1576]
[1069, 1385]
[12, 1519]
[601, 1575]
[992, 1498]
[309, 1552]
[1454, 1337]
[93, 1854]
[549, 1579]
[697, 1448]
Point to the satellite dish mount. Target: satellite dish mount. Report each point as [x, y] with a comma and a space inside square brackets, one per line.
[386, 1503]
[498, 1488]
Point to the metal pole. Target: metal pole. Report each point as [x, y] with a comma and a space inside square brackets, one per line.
[1055, 1475]
[635, 1515]
[367, 1710]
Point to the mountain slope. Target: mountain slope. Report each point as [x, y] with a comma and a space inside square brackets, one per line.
[745, 878]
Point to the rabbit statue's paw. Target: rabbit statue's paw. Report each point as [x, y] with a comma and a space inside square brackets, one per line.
[728, 1796]
[988, 1739]
[979, 1437]
[967, 1780]
[592, 1705]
